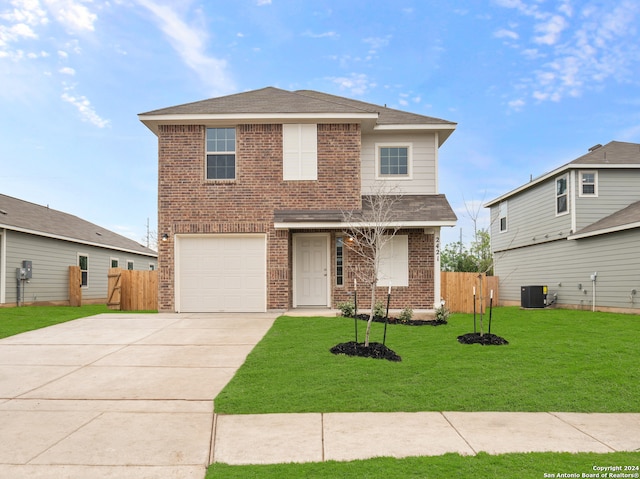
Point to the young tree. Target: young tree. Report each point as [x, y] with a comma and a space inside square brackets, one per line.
[369, 231]
[476, 259]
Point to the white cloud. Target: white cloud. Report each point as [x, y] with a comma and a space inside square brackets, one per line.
[504, 33]
[73, 15]
[189, 42]
[87, 113]
[356, 83]
[321, 35]
[67, 71]
[581, 48]
[261, 3]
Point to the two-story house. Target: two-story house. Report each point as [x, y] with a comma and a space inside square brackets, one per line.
[575, 230]
[252, 194]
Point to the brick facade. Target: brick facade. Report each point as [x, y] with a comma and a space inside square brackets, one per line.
[190, 204]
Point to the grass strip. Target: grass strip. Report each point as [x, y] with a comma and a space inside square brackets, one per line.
[504, 466]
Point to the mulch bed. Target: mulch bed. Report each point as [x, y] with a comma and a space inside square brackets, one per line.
[486, 339]
[374, 350]
[410, 322]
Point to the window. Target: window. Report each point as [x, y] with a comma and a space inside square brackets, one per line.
[83, 262]
[588, 183]
[393, 161]
[339, 261]
[129, 265]
[300, 152]
[394, 262]
[221, 154]
[562, 199]
[152, 267]
[114, 262]
[503, 216]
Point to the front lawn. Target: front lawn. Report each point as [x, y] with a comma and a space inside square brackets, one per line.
[556, 360]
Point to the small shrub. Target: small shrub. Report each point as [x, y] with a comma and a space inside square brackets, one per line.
[347, 309]
[405, 315]
[442, 313]
[379, 310]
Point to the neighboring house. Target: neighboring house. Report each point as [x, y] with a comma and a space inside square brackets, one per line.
[575, 230]
[50, 241]
[252, 193]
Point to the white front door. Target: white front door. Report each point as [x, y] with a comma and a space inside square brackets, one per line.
[311, 270]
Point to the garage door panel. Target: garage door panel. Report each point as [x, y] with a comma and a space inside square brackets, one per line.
[221, 273]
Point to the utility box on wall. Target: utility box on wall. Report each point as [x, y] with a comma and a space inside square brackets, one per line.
[533, 296]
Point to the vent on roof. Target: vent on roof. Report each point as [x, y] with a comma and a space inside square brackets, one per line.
[3, 212]
[595, 147]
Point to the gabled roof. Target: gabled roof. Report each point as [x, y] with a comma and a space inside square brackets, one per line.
[615, 154]
[625, 219]
[19, 215]
[269, 104]
[418, 211]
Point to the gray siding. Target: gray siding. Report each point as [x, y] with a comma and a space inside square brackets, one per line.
[51, 260]
[531, 219]
[424, 165]
[564, 265]
[617, 189]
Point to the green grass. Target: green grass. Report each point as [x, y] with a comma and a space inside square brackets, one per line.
[557, 360]
[506, 466]
[27, 318]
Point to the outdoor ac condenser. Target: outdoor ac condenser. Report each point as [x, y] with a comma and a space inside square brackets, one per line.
[533, 296]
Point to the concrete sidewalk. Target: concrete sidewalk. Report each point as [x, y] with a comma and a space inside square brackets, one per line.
[118, 395]
[315, 437]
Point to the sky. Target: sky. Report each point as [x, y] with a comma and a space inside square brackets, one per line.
[532, 84]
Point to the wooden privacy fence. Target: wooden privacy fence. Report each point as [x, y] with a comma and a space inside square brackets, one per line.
[131, 290]
[457, 291]
[75, 286]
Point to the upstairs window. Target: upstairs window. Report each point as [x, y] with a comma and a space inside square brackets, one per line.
[503, 216]
[393, 160]
[588, 183]
[300, 152]
[221, 154]
[562, 197]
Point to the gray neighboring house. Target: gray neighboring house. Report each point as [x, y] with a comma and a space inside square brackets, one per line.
[52, 241]
[576, 230]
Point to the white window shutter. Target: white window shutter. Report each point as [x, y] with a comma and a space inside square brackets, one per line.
[394, 262]
[300, 152]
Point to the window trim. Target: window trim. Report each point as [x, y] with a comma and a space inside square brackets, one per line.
[130, 263]
[208, 153]
[557, 196]
[503, 213]
[339, 265]
[581, 193]
[390, 144]
[84, 273]
[112, 260]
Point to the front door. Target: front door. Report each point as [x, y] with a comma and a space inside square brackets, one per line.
[311, 270]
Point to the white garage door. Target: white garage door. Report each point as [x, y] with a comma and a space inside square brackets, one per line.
[221, 273]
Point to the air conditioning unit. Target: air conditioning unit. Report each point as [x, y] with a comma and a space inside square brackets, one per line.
[533, 296]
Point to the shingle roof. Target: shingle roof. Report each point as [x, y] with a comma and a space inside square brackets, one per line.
[615, 154]
[28, 217]
[432, 209]
[272, 100]
[626, 218]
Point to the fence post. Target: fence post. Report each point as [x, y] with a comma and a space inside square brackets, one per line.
[75, 286]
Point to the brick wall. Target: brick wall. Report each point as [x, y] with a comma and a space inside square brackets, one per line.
[420, 292]
[189, 204]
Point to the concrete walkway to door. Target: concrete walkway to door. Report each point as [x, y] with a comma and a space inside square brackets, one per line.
[123, 396]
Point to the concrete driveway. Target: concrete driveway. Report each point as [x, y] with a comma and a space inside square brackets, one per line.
[118, 395]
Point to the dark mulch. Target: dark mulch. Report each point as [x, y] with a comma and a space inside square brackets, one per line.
[410, 322]
[374, 350]
[485, 340]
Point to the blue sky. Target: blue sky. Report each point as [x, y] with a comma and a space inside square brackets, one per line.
[532, 85]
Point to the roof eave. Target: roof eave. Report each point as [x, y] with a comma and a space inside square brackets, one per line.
[598, 232]
[154, 121]
[343, 225]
